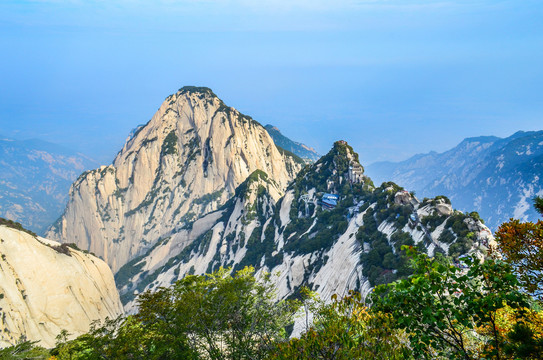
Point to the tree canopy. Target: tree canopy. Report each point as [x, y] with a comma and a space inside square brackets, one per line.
[479, 307]
[521, 244]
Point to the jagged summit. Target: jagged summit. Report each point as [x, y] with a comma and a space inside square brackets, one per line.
[196, 89]
[339, 167]
[332, 230]
[203, 93]
[342, 150]
[185, 162]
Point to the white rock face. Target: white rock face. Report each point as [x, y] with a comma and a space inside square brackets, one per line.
[186, 162]
[43, 291]
[285, 237]
[443, 208]
[329, 271]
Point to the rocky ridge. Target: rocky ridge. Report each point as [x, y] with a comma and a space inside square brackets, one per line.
[185, 162]
[305, 152]
[353, 245]
[494, 176]
[46, 288]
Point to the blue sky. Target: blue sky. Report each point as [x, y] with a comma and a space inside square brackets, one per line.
[393, 78]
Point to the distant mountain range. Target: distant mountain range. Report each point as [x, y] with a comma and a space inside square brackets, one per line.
[35, 177]
[302, 150]
[498, 177]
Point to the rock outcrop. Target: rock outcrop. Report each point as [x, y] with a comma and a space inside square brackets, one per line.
[496, 177]
[46, 288]
[353, 245]
[202, 186]
[185, 162]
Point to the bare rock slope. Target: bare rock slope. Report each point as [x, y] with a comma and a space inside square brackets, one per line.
[303, 238]
[185, 162]
[45, 288]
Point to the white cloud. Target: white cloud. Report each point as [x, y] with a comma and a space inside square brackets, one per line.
[280, 5]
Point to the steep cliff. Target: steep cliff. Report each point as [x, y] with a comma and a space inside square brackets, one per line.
[332, 231]
[46, 287]
[185, 162]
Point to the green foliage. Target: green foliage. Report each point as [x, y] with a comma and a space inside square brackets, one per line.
[431, 222]
[217, 316]
[242, 191]
[196, 90]
[346, 329]
[440, 312]
[538, 204]
[24, 350]
[148, 141]
[258, 247]
[442, 307]
[63, 249]
[456, 223]
[15, 225]
[261, 242]
[126, 272]
[475, 215]
[150, 199]
[169, 146]
[329, 225]
[435, 200]
[121, 338]
[447, 237]
[521, 244]
[316, 175]
[382, 264]
[523, 343]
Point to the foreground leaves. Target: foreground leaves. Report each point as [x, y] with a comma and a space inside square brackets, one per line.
[347, 329]
[521, 244]
[444, 307]
[217, 316]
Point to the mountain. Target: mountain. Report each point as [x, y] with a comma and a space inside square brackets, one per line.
[305, 152]
[185, 162]
[494, 176]
[35, 177]
[333, 230]
[202, 186]
[46, 287]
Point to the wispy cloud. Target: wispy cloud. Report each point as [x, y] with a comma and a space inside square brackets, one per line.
[308, 5]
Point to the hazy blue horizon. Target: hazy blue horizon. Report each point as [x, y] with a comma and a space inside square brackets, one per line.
[393, 78]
